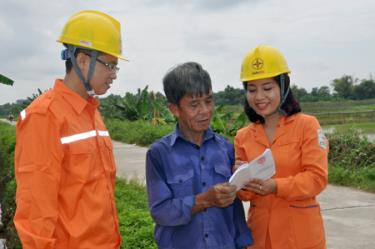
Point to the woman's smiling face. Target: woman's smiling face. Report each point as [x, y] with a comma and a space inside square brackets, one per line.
[263, 96]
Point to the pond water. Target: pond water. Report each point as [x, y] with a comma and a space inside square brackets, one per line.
[329, 130]
[2, 244]
[371, 138]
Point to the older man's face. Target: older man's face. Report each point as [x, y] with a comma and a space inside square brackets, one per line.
[194, 113]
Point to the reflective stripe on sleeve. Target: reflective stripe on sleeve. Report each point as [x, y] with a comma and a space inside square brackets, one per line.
[83, 135]
[23, 114]
[103, 133]
[77, 137]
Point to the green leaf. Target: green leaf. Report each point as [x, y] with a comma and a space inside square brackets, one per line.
[5, 80]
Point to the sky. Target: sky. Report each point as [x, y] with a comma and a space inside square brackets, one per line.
[321, 40]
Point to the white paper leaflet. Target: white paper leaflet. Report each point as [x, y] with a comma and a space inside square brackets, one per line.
[262, 167]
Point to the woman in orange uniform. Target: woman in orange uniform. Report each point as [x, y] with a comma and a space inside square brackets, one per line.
[284, 212]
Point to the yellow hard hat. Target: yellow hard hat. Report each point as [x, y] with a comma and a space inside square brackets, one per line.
[93, 30]
[263, 62]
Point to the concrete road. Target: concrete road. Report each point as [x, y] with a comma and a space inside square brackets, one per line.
[130, 161]
[349, 218]
[7, 121]
[349, 215]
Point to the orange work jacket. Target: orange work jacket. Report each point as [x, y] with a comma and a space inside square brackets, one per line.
[65, 173]
[291, 218]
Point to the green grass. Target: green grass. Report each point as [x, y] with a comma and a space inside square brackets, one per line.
[360, 178]
[365, 128]
[325, 106]
[333, 112]
[338, 106]
[136, 225]
[345, 117]
[7, 184]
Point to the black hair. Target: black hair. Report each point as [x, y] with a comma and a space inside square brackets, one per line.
[186, 79]
[68, 62]
[290, 106]
[68, 65]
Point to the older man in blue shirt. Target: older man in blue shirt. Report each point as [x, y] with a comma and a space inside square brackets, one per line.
[187, 172]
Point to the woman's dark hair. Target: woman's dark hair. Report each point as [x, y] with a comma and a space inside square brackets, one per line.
[290, 106]
[186, 79]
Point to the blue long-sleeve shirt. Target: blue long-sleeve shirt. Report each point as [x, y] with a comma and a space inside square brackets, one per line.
[176, 171]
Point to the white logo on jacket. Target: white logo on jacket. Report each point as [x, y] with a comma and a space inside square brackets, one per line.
[322, 140]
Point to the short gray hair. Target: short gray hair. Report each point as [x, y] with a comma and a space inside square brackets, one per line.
[186, 79]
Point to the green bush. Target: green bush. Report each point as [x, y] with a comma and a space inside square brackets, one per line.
[351, 150]
[137, 132]
[7, 144]
[8, 184]
[352, 160]
[363, 178]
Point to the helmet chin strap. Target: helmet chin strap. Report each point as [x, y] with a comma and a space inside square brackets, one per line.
[86, 83]
[283, 96]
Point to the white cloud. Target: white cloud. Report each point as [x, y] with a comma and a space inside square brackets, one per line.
[321, 40]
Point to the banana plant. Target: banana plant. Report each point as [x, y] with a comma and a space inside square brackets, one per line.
[227, 122]
[143, 105]
[220, 119]
[239, 122]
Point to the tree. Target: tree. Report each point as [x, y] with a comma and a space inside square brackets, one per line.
[364, 90]
[230, 96]
[314, 92]
[298, 93]
[344, 86]
[143, 105]
[324, 93]
[108, 106]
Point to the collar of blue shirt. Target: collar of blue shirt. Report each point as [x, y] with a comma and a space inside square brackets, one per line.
[208, 134]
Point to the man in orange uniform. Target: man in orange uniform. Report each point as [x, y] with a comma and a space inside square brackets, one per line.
[284, 212]
[64, 164]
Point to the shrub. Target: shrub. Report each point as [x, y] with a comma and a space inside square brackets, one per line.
[137, 132]
[362, 178]
[8, 184]
[352, 160]
[351, 150]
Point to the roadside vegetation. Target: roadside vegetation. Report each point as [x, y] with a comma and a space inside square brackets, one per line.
[7, 184]
[352, 160]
